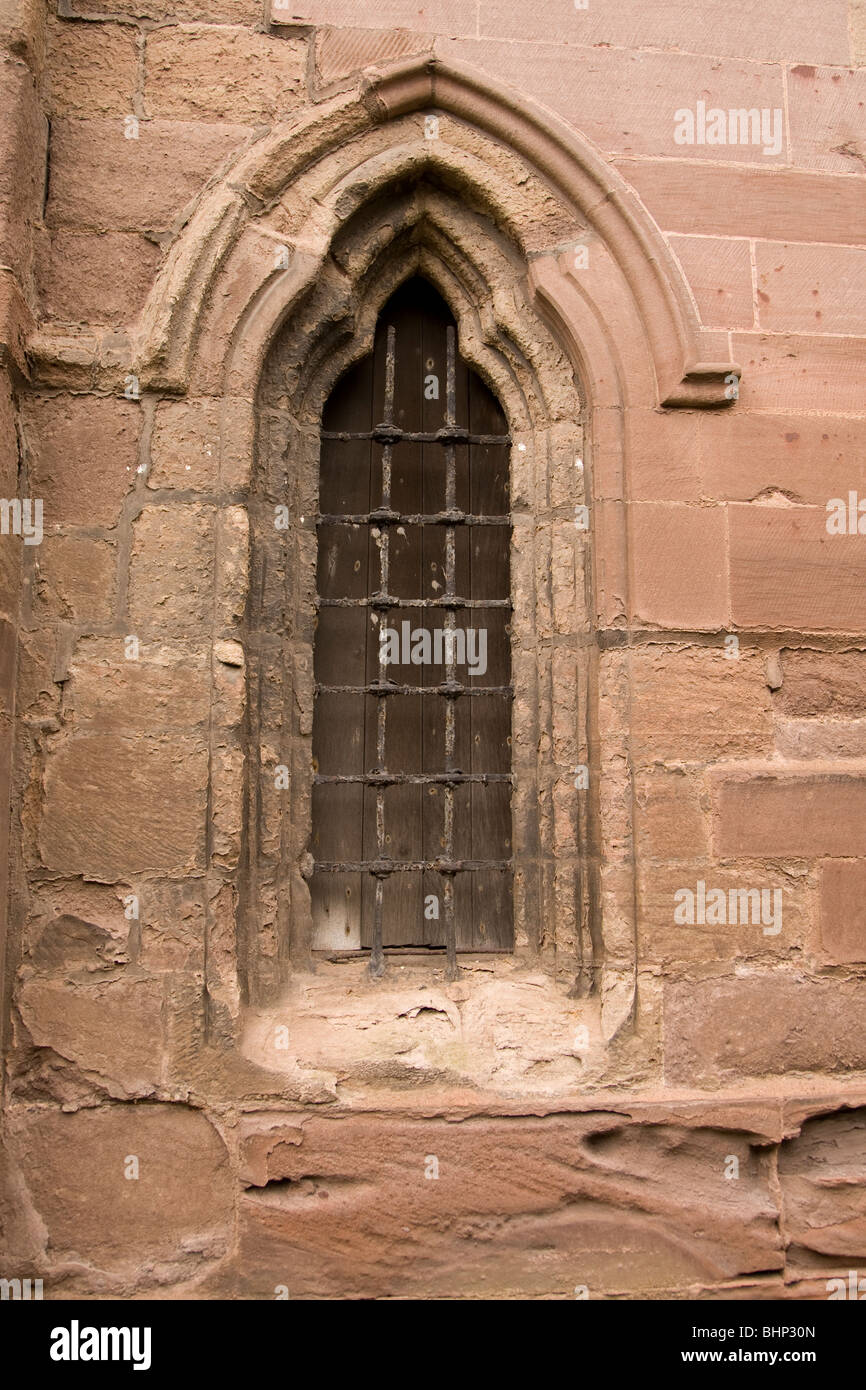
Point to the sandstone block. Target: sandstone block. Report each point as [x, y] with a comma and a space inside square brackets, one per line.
[77, 578]
[103, 181]
[680, 565]
[720, 275]
[111, 1029]
[357, 1212]
[669, 822]
[340, 52]
[823, 1190]
[83, 453]
[843, 909]
[777, 203]
[720, 1029]
[620, 107]
[782, 371]
[216, 73]
[788, 573]
[165, 688]
[176, 1213]
[775, 30]
[826, 117]
[116, 806]
[185, 448]
[665, 939]
[811, 288]
[92, 69]
[808, 815]
[695, 704]
[742, 455]
[170, 569]
[96, 277]
[830, 683]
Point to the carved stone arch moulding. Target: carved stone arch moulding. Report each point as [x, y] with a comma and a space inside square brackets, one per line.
[572, 308]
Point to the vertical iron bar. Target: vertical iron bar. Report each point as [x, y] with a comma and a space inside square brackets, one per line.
[450, 648]
[377, 954]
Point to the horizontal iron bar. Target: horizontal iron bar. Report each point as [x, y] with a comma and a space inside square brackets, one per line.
[414, 779]
[390, 601]
[392, 434]
[389, 518]
[445, 688]
[385, 867]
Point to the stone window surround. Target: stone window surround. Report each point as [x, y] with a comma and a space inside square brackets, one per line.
[628, 332]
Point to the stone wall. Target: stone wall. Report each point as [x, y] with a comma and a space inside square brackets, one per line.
[662, 1092]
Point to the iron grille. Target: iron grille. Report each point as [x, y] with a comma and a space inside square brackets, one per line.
[451, 690]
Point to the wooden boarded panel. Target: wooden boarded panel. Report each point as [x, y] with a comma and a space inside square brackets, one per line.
[347, 726]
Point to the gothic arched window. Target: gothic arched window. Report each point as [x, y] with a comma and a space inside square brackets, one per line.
[412, 718]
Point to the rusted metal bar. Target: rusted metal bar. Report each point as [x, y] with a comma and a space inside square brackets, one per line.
[389, 518]
[383, 868]
[390, 364]
[392, 434]
[383, 778]
[377, 959]
[384, 600]
[392, 688]
[377, 955]
[450, 649]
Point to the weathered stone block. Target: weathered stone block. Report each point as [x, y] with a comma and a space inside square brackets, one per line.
[116, 806]
[170, 571]
[823, 1190]
[843, 909]
[829, 683]
[166, 687]
[185, 447]
[92, 69]
[111, 1029]
[696, 704]
[810, 815]
[95, 277]
[217, 73]
[169, 1221]
[669, 821]
[83, 453]
[520, 1206]
[101, 180]
[762, 1023]
[77, 578]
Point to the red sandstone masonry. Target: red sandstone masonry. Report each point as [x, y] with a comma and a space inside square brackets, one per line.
[84, 452]
[826, 114]
[819, 288]
[139, 778]
[679, 558]
[785, 204]
[816, 814]
[103, 181]
[774, 29]
[843, 910]
[628, 99]
[799, 373]
[720, 275]
[788, 573]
